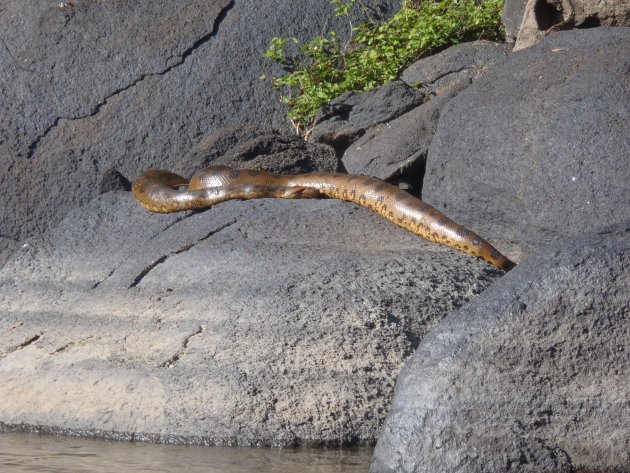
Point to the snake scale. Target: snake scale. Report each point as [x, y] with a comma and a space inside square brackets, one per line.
[164, 191]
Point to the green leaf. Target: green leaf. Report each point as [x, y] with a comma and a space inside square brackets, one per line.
[377, 52]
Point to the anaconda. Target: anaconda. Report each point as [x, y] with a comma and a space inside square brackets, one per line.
[164, 191]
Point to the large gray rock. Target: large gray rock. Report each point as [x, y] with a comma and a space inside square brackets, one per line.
[88, 87]
[531, 377]
[397, 149]
[56, 69]
[345, 119]
[538, 148]
[253, 323]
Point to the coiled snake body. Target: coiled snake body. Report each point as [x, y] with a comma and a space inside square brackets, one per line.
[164, 191]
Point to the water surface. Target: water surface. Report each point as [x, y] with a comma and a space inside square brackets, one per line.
[47, 454]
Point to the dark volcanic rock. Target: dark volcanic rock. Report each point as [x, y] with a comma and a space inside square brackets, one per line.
[89, 86]
[398, 147]
[256, 147]
[454, 68]
[57, 69]
[392, 149]
[347, 118]
[256, 323]
[538, 148]
[531, 377]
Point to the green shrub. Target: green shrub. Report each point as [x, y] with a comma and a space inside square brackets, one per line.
[323, 68]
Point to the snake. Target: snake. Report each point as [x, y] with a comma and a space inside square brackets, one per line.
[162, 191]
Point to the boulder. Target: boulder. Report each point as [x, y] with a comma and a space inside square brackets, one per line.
[530, 377]
[345, 119]
[266, 322]
[55, 74]
[538, 148]
[88, 87]
[397, 149]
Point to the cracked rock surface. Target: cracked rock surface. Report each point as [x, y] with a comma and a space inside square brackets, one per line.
[49, 51]
[531, 377]
[267, 322]
[91, 86]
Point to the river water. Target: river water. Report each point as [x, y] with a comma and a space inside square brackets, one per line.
[48, 454]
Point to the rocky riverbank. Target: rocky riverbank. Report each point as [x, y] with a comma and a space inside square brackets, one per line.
[288, 322]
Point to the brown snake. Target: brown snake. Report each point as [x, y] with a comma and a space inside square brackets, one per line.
[164, 191]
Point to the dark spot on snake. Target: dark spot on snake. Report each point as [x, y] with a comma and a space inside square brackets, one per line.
[253, 173]
[391, 215]
[380, 187]
[443, 221]
[476, 242]
[462, 232]
[495, 254]
[234, 173]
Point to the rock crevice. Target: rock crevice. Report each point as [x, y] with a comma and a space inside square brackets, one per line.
[32, 148]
